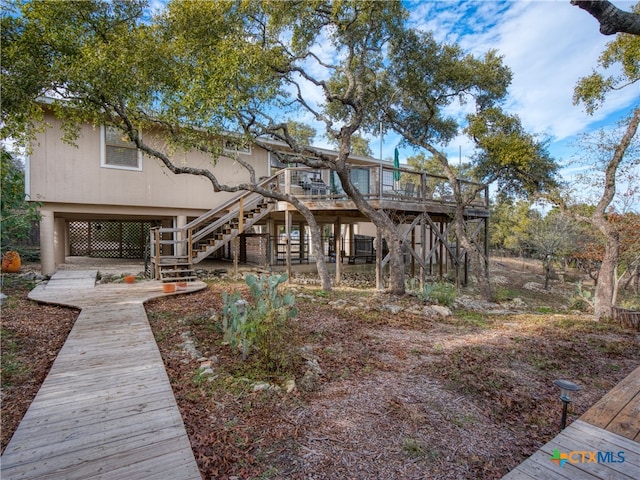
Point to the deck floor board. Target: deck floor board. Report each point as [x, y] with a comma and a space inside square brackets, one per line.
[609, 427]
[106, 409]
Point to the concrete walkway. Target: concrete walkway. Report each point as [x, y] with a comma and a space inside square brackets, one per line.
[106, 410]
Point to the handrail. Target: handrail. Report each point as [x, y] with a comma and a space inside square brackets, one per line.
[202, 218]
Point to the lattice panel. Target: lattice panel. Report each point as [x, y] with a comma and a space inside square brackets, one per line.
[108, 239]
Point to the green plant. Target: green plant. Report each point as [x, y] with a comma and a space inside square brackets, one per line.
[412, 447]
[263, 326]
[441, 293]
[504, 294]
[234, 322]
[582, 299]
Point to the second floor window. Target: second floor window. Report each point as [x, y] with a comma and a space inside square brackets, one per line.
[119, 151]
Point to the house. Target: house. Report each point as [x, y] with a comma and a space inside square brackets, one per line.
[103, 198]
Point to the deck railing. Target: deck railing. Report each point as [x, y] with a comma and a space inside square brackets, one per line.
[381, 182]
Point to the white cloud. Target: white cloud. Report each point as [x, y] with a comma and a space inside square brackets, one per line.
[548, 45]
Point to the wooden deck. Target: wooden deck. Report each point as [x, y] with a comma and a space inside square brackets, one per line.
[106, 410]
[602, 444]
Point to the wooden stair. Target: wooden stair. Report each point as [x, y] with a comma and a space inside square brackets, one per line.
[176, 269]
[205, 235]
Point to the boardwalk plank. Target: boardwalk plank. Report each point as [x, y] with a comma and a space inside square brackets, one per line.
[106, 410]
[605, 411]
[46, 422]
[609, 426]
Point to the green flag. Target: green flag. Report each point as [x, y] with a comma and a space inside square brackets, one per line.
[396, 164]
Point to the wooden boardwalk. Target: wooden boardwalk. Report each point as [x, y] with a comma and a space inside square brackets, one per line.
[604, 443]
[106, 410]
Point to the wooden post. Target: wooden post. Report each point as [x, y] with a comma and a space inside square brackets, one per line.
[287, 229]
[236, 248]
[413, 246]
[457, 265]
[157, 258]
[337, 248]
[441, 250]
[423, 247]
[378, 260]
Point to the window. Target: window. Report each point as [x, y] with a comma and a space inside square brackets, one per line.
[118, 151]
[231, 146]
[359, 178]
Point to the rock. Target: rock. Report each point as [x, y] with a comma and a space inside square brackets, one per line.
[290, 386]
[518, 304]
[3, 297]
[427, 311]
[189, 346]
[394, 309]
[500, 280]
[265, 386]
[441, 310]
[261, 386]
[314, 366]
[309, 382]
[311, 379]
[306, 352]
[340, 303]
[29, 276]
[535, 287]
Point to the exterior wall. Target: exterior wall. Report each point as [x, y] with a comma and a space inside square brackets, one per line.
[71, 184]
[62, 173]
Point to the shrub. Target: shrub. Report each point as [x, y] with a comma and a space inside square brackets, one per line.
[262, 327]
[582, 299]
[442, 293]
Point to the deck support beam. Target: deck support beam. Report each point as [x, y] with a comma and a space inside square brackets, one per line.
[337, 248]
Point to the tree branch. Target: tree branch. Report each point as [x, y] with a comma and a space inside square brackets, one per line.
[612, 20]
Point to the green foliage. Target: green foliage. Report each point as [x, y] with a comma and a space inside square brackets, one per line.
[504, 294]
[517, 160]
[619, 66]
[17, 215]
[511, 223]
[441, 293]
[234, 323]
[301, 133]
[582, 298]
[263, 326]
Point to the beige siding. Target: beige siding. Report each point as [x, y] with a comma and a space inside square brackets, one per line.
[62, 173]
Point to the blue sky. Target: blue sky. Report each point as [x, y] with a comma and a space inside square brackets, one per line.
[548, 45]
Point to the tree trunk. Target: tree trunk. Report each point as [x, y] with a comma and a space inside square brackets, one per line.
[396, 260]
[316, 241]
[318, 252]
[612, 20]
[479, 266]
[604, 294]
[547, 271]
[387, 229]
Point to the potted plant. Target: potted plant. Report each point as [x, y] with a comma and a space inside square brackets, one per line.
[11, 262]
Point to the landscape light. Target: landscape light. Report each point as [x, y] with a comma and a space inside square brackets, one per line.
[566, 390]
